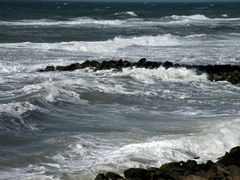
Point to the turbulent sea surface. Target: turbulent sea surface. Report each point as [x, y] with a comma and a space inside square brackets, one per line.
[63, 125]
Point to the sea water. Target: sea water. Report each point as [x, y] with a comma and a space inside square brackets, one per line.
[63, 125]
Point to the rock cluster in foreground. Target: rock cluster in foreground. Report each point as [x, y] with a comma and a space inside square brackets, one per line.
[227, 167]
[230, 73]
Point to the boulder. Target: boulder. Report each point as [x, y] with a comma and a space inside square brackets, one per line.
[230, 73]
[114, 176]
[231, 158]
[49, 68]
[101, 177]
[137, 174]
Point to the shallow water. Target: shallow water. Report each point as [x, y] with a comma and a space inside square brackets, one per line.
[63, 125]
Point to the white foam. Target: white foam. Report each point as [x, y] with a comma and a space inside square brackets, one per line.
[200, 17]
[224, 15]
[132, 22]
[53, 91]
[109, 46]
[208, 145]
[191, 17]
[72, 22]
[150, 76]
[16, 109]
[94, 154]
[131, 13]
[29, 173]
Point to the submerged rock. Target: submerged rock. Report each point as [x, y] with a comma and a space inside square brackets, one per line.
[230, 73]
[227, 167]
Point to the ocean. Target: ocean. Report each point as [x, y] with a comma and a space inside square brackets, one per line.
[74, 125]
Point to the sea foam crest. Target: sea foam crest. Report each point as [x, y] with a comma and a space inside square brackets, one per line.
[131, 13]
[16, 109]
[132, 21]
[200, 17]
[71, 22]
[103, 155]
[191, 17]
[150, 76]
[101, 46]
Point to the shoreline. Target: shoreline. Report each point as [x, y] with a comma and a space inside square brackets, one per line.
[227, 167]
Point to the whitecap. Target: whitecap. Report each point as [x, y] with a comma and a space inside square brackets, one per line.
[107, 46]
[191, 17]
[96, 154]
[150, 76]
[131, 13]
[17, 109]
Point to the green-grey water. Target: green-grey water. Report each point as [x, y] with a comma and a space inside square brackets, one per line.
[63, 125]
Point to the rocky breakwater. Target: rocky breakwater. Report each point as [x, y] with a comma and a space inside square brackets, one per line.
[230, 73]
[226, 168]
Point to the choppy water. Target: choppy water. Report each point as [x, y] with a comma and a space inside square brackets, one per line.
[63, 125]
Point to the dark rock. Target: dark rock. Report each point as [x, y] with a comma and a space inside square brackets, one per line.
[114, 176]
[137, 174]
[93, 63]
[230, 73]
[191, 164]
[167, 64]
[49, 68]
[141, 63]
[101, 177]
[231, 158]
[162, 176]
[70, 67]
[102, 66]
[127, 64]
[206, 167]
[173, 166]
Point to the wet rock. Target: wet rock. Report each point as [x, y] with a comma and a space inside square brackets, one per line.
[127, 64]
[226, 72]
[70, 67]
[141, 63]
[102, 66]
[231, 158]
[167, 64]
[137, 174]
[114, 176]
[101, 177]
[191, 164]
[49, 68]
[173, 166]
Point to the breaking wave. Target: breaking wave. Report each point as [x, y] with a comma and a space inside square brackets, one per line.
[98, 154]
[104, 46]
[128, 22]
[16, 109]
[131, 13]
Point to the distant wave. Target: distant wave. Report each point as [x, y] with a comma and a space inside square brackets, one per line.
[70, 22]
[131, 13]
[203, 17]
[191, 17]
[110, 45]
[129, 22]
